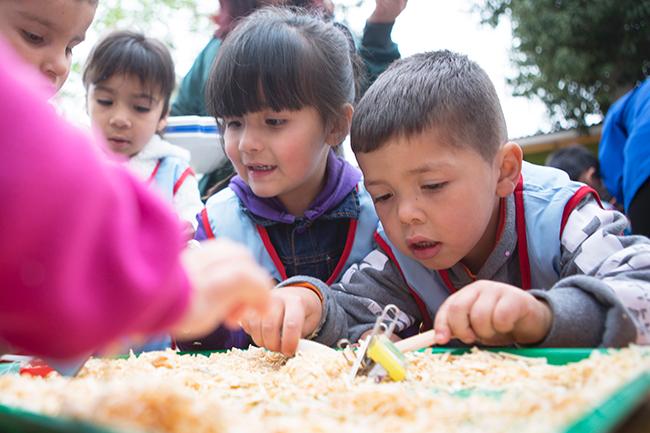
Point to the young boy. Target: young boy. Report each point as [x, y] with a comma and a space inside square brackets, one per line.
[44, 32]
[481, 246]
[129, 79]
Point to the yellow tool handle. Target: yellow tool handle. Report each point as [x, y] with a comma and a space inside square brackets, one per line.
[417, 342]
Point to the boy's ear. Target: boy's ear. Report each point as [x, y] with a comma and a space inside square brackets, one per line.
[589, 176]
[510, 158]
[162, 124]
[340, 128]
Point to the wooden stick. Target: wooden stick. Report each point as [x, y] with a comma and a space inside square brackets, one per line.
[419, 341]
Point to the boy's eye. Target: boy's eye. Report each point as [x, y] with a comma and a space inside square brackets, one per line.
[105, 102]
[69, 48]
[233, 123]
[142, 109]
[32, 38]
[381, 198]
[434, 186]
[275, 122]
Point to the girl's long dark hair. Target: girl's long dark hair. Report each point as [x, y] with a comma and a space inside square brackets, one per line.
[283, 59]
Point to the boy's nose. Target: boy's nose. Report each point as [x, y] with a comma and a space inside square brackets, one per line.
[119, 120]
[409, 212]
[56, 69]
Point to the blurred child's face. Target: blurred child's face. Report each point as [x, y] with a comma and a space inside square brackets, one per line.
[438, 204]
[44, 32]
[126, 112]
[279, 154]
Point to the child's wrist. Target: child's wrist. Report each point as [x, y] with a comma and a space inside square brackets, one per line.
[539, 324]
[312, 302]
[311, 288]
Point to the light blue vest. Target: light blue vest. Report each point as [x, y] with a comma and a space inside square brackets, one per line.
[226, 219]
[546, 196]
[169, 172]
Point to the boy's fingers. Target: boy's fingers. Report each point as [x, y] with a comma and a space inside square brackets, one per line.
[458, 311]
[443, 335]
[480, 316]
[294, 319]
[506, 313]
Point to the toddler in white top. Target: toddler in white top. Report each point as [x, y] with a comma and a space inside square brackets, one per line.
[129, 79]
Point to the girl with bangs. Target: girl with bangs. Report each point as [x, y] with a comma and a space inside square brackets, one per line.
[282, 89]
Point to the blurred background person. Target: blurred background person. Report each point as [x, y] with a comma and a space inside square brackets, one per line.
[582, 166]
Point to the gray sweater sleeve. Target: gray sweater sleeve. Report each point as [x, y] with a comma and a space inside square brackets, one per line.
[603, 296]
[351, 306]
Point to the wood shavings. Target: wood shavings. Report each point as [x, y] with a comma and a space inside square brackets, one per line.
[256, 390]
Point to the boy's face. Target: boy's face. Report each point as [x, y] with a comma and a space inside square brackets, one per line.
[44, 32]
[438, 204]
[126, 112]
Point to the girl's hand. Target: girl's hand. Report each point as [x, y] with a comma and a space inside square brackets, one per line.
[492, 313]
[226, 283]
[386, 11]
[293, 313]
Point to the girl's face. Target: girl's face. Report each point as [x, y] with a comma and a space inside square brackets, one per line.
[280, 154]
[44, 32]
[126, 112]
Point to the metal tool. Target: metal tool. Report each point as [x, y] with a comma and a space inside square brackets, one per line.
[377, 356]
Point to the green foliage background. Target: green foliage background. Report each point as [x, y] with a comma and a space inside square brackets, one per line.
[577, 56]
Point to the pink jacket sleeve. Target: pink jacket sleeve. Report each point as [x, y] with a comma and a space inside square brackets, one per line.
[87, 254]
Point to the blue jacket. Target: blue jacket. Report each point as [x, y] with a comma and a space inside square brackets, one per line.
[624, 150]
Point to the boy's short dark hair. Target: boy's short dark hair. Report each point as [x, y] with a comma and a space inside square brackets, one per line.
[574, 160]
[131, 53]
[441, 90]
[285, 60]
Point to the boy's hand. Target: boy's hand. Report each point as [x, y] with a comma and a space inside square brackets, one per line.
[386, 11]
[492, 313]
[226, 282]
[293, 313]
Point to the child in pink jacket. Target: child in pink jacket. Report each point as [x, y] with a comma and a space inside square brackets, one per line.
[87, 254]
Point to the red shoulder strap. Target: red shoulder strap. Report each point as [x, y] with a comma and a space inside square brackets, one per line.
[206, 224]
[522, 242]
[352, 231]
[445, 278]
[154, 172]
[266, 240]
[580, 194]
[188, 172]
[427, 320]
